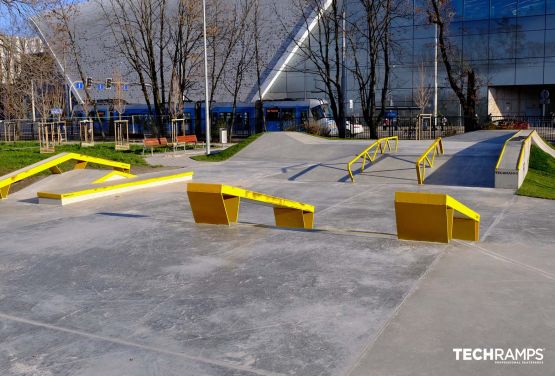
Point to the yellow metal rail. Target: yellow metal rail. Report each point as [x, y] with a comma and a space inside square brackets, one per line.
[434, 217]
[219, 204]
[425, 161]
[523, 149]
[52, 164]
[379, 145]
[503, 150]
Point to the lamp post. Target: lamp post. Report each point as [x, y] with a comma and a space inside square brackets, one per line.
[435, 78]
[207, 96]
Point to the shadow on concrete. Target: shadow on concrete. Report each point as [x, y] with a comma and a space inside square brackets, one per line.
[471, 167]
[123, 215]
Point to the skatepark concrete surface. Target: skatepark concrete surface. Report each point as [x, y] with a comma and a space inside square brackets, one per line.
[130, 285]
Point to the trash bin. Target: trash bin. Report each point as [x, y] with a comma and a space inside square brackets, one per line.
[223, 136]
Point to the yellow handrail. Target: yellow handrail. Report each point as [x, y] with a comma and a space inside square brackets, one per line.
[437, 148]
[521, 155]
[503, 150]
[380, 145]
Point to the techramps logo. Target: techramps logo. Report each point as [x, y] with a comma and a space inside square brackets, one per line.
[516, 356]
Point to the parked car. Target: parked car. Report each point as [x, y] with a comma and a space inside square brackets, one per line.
[353, 129]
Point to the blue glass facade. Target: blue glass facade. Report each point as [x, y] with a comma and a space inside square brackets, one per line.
[510, 43]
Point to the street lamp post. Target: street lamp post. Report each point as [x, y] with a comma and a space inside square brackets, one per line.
[435, 78]
[207, 96]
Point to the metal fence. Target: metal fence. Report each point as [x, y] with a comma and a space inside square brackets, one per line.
[406, 128]
[544, 125]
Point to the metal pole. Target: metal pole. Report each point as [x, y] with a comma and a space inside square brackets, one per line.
[435, 79]
[344, 76]
[207, 97]
[33, 101]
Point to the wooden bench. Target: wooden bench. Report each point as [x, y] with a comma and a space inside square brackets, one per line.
[434, 217]
[184, 140]
[218, 204]
[151, 143]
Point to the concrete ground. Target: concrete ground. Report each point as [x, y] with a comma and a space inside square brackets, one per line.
[130, 285]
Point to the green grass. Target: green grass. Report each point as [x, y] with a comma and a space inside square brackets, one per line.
[227, 153]
[540, 180]
[14, 156]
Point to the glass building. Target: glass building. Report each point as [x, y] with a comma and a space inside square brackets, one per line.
[509, 43]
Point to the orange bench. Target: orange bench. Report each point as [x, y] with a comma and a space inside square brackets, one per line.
[184, 140]
[151, 143]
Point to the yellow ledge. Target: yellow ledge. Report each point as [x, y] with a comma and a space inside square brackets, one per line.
[219, 204]
[434, 217]
[52, 164]
[64, 198]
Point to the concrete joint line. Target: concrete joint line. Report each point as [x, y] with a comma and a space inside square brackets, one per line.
[136, 345]
[509, 260]
[372, 341]
[498, 218]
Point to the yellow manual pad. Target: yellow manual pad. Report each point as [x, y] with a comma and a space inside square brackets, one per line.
[219, 204]
[434, 217]
[110, 188]
[52, 164]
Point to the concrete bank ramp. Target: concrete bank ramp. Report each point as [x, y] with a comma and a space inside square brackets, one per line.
[512, 166]
[469, 159]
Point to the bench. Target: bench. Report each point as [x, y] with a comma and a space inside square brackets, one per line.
[108, 187]
[184, 140]
[52, 164]
[218, 204]
[151, 143]
[434, 217]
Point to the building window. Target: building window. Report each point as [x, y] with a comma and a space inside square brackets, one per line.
[476, 10]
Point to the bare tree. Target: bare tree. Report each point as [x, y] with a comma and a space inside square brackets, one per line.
[257, 36]
[370, 44]
[242, 57]
[62, 20]
[323, 48]
[461, 76]
[138, 28]
[423, 90]
[119, 102]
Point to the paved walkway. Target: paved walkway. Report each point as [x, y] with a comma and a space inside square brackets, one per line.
[131, 285]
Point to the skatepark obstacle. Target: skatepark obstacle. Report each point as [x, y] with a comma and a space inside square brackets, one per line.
[424, 161]
[52, 164]
[379, 146]
[218, 204]
[512, 165]
[434, 217]
[109, 188]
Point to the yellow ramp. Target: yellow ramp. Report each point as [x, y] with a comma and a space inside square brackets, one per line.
[52, 164]
[219, 204]
[434, 217]
[110, 188]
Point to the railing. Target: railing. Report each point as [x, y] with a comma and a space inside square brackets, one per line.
[379, 146]
[523, 150]
[424, 161]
